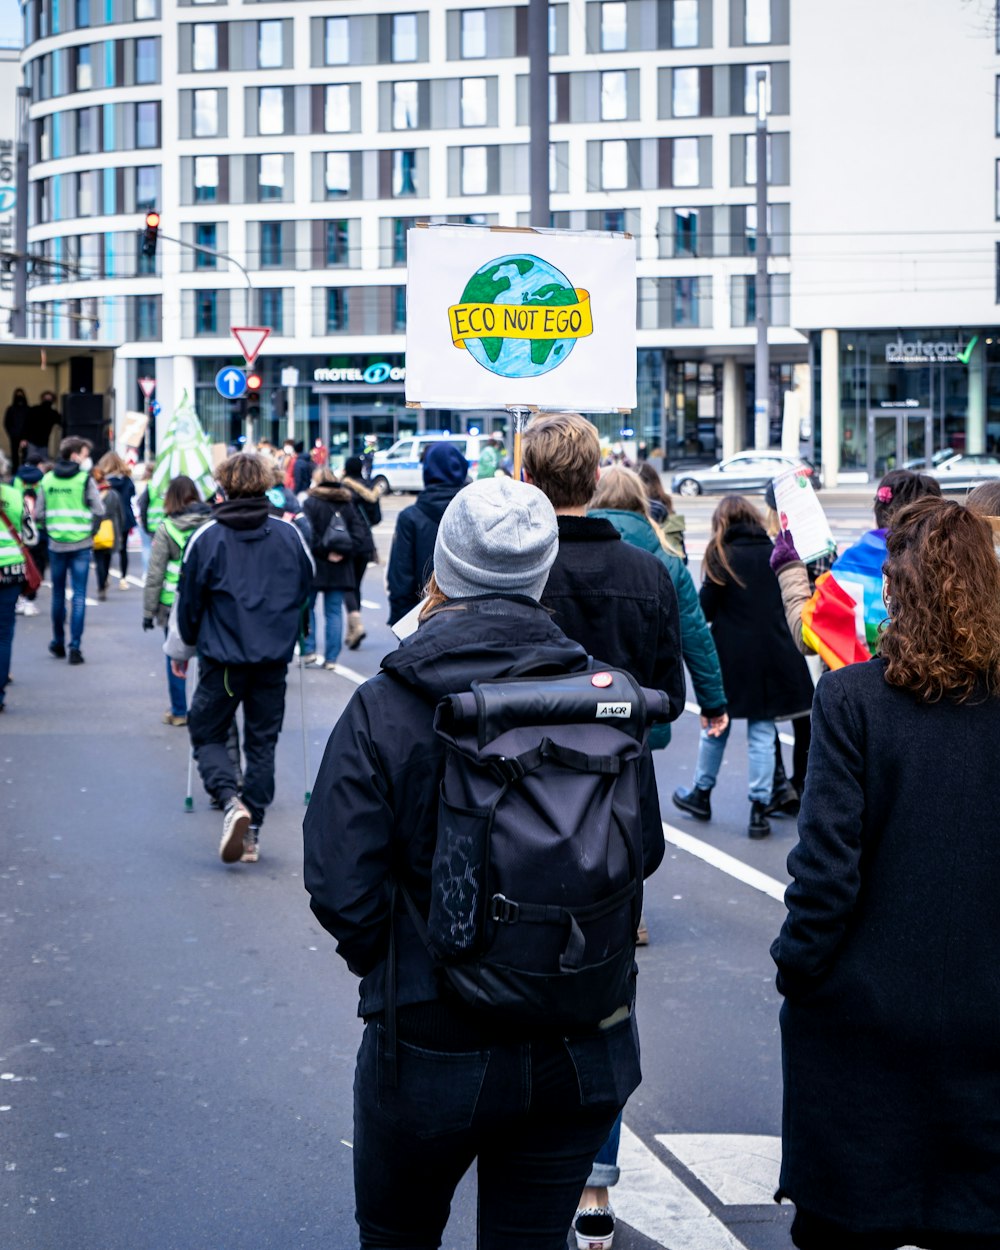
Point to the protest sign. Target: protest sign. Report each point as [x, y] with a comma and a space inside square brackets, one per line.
[800, 512]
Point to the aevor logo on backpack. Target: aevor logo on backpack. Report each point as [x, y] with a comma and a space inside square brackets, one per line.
[614, 711]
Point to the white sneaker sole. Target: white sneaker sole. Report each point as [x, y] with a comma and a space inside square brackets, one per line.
[233, 833]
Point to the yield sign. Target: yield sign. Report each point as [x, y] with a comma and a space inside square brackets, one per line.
[147, 386]
[251, 340]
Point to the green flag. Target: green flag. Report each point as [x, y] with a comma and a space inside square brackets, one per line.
[186, 450]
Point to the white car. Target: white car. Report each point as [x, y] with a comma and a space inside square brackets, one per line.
[401, 467]
[964, 470]
[747, 470]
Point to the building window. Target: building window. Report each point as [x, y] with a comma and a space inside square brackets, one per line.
[84, 70]
[404, 172]
[404, 37]
[686, 100]
[82, 14]
[337, 109]
[998, 191]
[686, 222]
[272, 308]
[86, 194]
[750, 88]
[474, 102]
[684, 31]
[146, 69]
[206, 312]
[613, 26]
[206, 179]
[271, 111]
[750, 159]
[757, 21]
[474, 171]
[614, 220]
[336, 310]
[473, 33]
[270, 54]
[614, 95]
[85, 132]
[145, 10]
[337, 45]
[399, 308]
[685, 172]
[206, 235]
[336, 243]
[614, 164]
[337, 174]
[998, 98]
[147, 317]
[147, 187]
[404, 106]
[147, 124]
[686, 302]
[270, 177]
[400, 226]
[205, 48]
[205, 113]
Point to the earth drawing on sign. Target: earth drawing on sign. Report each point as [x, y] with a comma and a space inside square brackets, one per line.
[519, 316]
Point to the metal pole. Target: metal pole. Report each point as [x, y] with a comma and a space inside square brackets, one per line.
[19, 314]
[290, 411]
[538, 109]
[762, 358]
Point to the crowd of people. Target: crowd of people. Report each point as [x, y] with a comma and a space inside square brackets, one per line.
[572, 571]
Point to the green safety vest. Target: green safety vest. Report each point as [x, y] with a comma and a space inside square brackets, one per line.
[172, 573]
[12, 504]
[154, 513]
[68, 519]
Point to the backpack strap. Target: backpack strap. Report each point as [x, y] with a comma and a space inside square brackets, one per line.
[506, 911]
[513, 768]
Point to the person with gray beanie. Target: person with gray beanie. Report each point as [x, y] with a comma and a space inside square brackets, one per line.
[468, 1085]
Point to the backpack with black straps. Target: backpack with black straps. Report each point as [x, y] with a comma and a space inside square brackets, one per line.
[536, 880]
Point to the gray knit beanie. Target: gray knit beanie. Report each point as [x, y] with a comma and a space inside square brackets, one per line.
[496, 535]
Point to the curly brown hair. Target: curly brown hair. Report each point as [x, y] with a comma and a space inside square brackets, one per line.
[942, 589]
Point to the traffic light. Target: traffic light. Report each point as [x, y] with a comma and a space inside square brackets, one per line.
[253, 383]
[150, 233]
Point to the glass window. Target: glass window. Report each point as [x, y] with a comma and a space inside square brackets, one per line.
[685, 171]
[206, 312]
[614, 95]
[269, 45]
[147, 317]
[404, 106]
[336, 242]
[613, 26]
[337, 108]
[205, 113]
[336, 310]
[206, 235]
[474, 172]
[146, 69]
[684, 33]
[270, 245]
[84, 68]
[145, 10]
[147, 187]
[750, 159]
[757, 21]
[997, 210]
[614, 220]
[337, 41]
[404, 172]
[82, 14]
[271, 111]
[998, 94]
[686, 93]
[404, 37]
[204, 50]
[473, 33]
[614, 164]
[399, 228]
[85, 132]
[147, 124]
[86, 194]
[206, 179]
[270, 176]
[686, 232]
[473, 101]
[272, 307]
[750, 88]
[399, 307]
[337, 174]
[686, 302]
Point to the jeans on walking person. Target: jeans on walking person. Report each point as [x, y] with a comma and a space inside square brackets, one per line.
[102, 567]
[8, 601]
[761, 736]
[75, 564]
[177, 689]
[333, 624]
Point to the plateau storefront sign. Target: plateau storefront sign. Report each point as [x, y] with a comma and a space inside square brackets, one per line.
[929, 351]
[374, 375]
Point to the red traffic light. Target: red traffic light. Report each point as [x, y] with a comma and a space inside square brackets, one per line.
[152, 220]
[148, 246]
[253, 382]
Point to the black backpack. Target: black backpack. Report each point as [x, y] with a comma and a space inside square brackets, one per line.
[536, 880]
[337, 537]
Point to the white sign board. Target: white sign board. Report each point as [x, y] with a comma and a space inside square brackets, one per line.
[801, 513]
[520, 319]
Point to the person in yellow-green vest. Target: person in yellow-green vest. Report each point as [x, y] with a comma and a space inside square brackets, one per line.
[68, 505]
[11, 573]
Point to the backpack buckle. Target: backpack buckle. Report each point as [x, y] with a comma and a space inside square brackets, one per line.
[503, 909]
[509, 768]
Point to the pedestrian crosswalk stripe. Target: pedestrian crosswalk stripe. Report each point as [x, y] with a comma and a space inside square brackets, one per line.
[740, 1169]
[725, 863]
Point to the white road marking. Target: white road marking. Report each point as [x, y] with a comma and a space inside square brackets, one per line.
[741, 1170]
[351, 674]
[695, 710]
[725, 863]
[371, 607]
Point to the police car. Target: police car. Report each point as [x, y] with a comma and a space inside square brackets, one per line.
[400, 468]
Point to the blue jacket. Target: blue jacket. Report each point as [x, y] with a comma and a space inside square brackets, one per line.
[245, 578]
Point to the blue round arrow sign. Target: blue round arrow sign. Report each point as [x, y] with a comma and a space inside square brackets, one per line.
[231, 382]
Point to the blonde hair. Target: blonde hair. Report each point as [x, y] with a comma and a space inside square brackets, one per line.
[623, 489]
[562, 453]
[112, 465]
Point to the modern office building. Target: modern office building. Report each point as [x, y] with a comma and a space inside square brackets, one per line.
[303, 137]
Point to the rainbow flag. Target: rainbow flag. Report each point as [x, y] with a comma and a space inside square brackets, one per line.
[841, 621]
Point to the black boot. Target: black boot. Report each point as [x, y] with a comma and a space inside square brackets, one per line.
[759, 826]
[784, 795]
[696, 802]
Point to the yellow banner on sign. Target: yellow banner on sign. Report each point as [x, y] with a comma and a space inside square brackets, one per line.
[521, 321]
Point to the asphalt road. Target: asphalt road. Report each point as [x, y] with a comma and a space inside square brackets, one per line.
[177, 1040]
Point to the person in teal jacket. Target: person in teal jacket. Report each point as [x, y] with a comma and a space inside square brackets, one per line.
[621, 499]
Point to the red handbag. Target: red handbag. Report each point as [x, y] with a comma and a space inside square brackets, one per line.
[32, 577]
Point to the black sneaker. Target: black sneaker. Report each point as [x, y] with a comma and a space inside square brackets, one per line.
[759, 826]
[58, 650]
[696, 802]
[75, 656]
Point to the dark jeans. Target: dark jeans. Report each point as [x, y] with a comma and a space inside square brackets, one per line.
[123, 555]
[176, 688]
[220, 691]
[77, 565]
[533, 1116]
[352, 597]
[102, 566]
[8, 601]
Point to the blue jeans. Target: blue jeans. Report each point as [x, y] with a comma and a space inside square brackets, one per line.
[761, 735]
[333, 603]
[177, 688]
[606, 1171]
[147, 547]
[8, 600]
[77, 565]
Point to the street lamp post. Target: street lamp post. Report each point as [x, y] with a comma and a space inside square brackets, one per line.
[762, 357]
[19, 314]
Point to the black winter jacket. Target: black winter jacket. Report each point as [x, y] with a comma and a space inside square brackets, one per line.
[411, 560]
[244, 580]
[303, 471]
[373, 814]
[319, 506]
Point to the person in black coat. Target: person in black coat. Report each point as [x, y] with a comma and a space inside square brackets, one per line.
[303, 470]
[464, 1075]
[887, 959]
[15, 420]
[766, 678]
[411, 560]
[334, 575]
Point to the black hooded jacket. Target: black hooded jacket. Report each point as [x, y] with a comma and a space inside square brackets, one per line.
[373, 814]
[411, 560]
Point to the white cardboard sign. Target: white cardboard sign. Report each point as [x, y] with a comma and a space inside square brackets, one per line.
[520, 319]
[801, 513]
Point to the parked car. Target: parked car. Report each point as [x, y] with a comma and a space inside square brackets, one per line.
[966, 470]
[746, 471]
[918, 463]
[400, 467]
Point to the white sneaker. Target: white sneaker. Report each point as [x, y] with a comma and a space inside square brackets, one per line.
[235, 824]
[251, 849]
[29, 608]
[594, 1228]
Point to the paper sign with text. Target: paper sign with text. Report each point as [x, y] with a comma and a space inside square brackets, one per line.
[800, 511]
